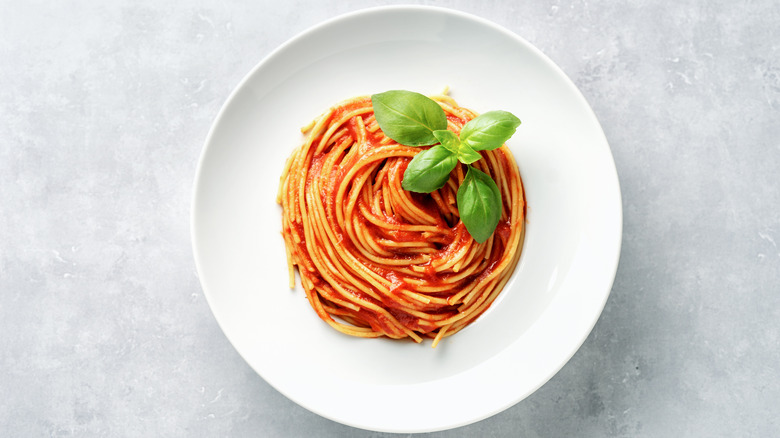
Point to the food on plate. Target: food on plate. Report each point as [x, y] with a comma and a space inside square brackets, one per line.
[404, 215]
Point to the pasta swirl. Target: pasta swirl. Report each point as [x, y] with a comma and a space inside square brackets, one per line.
[376, 260]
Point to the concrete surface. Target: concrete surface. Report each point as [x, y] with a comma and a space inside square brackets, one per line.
[104, 330]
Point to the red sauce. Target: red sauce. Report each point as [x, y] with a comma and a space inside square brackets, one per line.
[449, 241]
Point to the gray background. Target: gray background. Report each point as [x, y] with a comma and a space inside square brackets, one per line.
[104, 330]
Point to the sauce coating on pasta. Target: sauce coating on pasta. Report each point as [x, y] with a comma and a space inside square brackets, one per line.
[376, 260]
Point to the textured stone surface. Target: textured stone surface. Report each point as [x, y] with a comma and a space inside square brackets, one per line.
[104, 330]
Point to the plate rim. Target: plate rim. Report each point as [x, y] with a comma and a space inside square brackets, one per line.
[240, 87]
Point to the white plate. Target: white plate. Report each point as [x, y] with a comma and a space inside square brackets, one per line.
[560, 286]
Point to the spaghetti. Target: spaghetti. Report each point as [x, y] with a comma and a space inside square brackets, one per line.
[376, 260]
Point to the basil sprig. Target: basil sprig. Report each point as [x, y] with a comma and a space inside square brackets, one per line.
[429, 170]
[479, 200]
[408, 118]
[412, 119]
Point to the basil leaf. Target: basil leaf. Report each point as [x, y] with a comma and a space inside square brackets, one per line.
[448, 139]
[407, 117]
[467, 155]
[479, 203]
[489, 131]
[429, 170]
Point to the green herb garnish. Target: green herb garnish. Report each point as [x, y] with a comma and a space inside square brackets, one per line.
[429, 170]
[412, 119]
[408, 118]
[479, 200]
